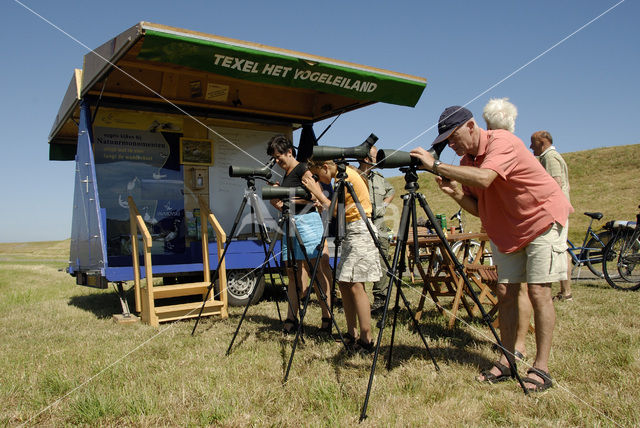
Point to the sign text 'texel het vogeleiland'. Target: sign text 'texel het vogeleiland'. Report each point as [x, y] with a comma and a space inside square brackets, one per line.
[273, 70]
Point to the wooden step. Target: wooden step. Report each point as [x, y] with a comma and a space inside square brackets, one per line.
[188, 310]
[177, 290]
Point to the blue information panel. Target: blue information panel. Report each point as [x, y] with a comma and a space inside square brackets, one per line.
[143, 164]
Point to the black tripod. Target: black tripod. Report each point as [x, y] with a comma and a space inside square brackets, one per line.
[291, 233]
[338, 199]
[398, 267]
[250, 197]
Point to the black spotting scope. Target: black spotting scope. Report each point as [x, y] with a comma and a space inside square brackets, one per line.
[398, 159]
[323, 153]
[245, 171]
[278, 192]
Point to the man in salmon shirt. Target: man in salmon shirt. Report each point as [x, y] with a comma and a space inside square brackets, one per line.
[523, 210]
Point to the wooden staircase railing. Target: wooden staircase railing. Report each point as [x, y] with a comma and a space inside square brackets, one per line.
[145, 296]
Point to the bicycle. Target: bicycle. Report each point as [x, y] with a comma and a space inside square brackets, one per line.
[474, 245]
[592, 250]
[622, 256]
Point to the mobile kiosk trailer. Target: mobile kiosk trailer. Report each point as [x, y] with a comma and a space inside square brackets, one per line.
[153, 121]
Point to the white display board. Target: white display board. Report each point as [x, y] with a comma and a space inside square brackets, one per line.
[245, 148]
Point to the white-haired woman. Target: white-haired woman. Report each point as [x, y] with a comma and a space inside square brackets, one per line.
[500, 113]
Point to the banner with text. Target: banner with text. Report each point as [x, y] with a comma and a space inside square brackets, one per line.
[278, 69]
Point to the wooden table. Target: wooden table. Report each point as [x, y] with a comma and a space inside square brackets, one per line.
[440, 278]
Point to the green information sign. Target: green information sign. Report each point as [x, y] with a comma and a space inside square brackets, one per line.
[263, 66]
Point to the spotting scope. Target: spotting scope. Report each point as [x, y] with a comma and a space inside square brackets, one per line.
[391, 158]
[361, 151]
[278, 192]
[245, 171]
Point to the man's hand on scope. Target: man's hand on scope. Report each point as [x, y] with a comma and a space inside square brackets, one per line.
[424, 156]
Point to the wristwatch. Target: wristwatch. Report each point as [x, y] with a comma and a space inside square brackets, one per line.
[434, 168]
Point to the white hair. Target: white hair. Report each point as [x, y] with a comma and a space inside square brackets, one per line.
[499, 113]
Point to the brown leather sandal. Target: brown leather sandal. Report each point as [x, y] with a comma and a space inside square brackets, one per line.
[538, 386]
[505, 374]
[562, 297]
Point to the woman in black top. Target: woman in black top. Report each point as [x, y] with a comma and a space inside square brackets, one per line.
[309, 225]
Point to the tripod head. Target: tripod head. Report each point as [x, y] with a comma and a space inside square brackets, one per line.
[410, 178]
[342, 168]
[251, 180]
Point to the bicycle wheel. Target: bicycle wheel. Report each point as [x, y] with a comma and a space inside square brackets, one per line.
[474, 247]
[593, 257]
[621, 260]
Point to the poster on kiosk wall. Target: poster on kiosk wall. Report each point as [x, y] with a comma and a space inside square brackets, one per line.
[137, 154]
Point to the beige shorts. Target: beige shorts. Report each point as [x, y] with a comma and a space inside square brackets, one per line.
[540, 262]
[360, 259]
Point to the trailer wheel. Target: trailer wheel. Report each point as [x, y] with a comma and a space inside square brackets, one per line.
[240, 283]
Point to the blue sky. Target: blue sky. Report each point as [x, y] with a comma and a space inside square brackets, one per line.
[584, 90]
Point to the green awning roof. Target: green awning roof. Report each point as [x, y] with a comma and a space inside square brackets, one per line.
[263, 65]
[157, 66]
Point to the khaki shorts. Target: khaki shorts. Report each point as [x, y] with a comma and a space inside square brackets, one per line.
[540, 262]
[360, 259]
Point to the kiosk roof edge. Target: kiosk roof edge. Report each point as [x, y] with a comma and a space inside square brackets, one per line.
[164, 67]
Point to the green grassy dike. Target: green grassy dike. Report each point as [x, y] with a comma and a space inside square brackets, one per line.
[64, 362]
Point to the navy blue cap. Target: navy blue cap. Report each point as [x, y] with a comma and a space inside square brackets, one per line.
[450, 119]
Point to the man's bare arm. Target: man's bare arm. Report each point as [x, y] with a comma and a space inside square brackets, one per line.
[453, 189]
[467, 175]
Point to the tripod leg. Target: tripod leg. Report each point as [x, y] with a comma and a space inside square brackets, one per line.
[292, 271]
[396, 309]
[255, 288]
[403, 235]
[409, 208]
[340, 232]
[404, 217]
[268, 257]
[400, 293]
[336, 244]
[203, 229]
[417, 327]
[265, 240]
[298, 332]
[313, 278]
[323, 298]
[397, 268]
[460, 270]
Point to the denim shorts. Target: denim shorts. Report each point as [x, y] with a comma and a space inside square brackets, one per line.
[310, 229]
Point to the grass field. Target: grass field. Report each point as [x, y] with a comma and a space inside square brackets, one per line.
[63, 361]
